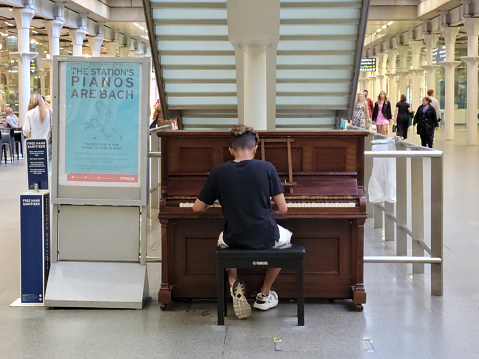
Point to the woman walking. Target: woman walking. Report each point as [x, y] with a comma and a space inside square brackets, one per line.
[382, 113]
[38, 122]
[361, 116]
[403, 109]
[426, 121]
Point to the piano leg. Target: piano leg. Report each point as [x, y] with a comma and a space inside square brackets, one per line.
[359, 293]
[164, 294]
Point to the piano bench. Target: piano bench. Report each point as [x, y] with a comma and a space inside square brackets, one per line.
[291, 257]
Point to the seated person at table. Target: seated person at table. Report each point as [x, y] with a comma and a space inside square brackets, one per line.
[244, 187]
[12, 120]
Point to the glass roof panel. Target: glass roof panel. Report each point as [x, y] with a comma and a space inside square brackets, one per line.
[325, 13]
[194, 46]
[199, 88]
[201, 101]
[310, 30]
[210, 121]
[315, 60]
[304, 1]
[311, 100]
[184, 14]
[319, 88]
[313, 74]
[197, 60]
[199, 74]
[304, 121]
[324, 45]
[188, 30]
[187, 1]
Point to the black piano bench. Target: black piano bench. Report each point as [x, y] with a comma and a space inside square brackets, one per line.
[291, 257]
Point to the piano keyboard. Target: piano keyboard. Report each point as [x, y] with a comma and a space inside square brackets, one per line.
[297, 204]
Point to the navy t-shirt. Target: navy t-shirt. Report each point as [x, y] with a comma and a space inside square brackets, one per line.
[244, 190]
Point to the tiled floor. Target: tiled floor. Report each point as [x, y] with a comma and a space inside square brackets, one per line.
[400, 320]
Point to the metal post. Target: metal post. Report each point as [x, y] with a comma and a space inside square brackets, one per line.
[417, 198]
[368, 168]
[154, 172]
[143, 234]
[389, 221]
[378, 216]
[437, 225]
[401, 205]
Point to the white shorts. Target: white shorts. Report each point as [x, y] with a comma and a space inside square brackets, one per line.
[284, 238]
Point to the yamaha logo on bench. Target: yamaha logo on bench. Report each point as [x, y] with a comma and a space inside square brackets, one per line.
[260, 263]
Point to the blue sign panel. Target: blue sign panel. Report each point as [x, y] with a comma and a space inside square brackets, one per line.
[37, 163]
[101, 123]
[35, 245]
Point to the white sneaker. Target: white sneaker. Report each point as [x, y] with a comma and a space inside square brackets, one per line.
[240, 304]
[265, 302]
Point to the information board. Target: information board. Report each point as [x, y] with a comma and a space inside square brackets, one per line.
[37, 163]
[102, 128]
[368, 65]
[439, 54]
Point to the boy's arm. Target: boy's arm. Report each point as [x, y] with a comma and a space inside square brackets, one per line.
[280, 203]
[199, 206]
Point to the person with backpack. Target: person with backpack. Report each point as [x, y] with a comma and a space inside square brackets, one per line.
[426, 121]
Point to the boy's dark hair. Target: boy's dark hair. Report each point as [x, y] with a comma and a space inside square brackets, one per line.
[242, 136]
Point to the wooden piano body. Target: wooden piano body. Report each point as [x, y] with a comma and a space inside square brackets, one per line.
[318, 168]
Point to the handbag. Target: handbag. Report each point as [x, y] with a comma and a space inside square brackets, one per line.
[411, 116]
[394, 128]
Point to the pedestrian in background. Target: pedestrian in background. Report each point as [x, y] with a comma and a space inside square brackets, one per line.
[426, 122]
[361, 116]
[370, 102]
[12, 120]
[382, 113]
[403, 109]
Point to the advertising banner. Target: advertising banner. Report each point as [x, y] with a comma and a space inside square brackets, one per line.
[34, 245]
[99, 124]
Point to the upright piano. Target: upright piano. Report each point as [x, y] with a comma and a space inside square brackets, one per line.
[323, 179]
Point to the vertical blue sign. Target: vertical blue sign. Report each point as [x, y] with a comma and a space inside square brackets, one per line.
[35, 245]
[37, 163]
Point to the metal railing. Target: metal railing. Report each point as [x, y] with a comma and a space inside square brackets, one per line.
[154, 156]
[393, 217]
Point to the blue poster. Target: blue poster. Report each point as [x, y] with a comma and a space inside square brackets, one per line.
[101, 140]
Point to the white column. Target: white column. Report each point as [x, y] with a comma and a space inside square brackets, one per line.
[392, 55]
[254, 36]
[77, 38]
[416, 72]
[403, 70]
[23, 18]
[449, 34]
[431, 41]
[111, 48]
[54, 28]
[382, 71]
[124, 51]
[95, 45]
[471, 60]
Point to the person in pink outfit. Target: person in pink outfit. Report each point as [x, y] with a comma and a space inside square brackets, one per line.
[382, 113]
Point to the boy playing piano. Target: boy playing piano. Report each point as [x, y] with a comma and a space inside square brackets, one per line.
[244, 187]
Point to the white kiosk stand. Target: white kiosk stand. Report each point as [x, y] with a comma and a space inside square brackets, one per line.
[99, 183]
